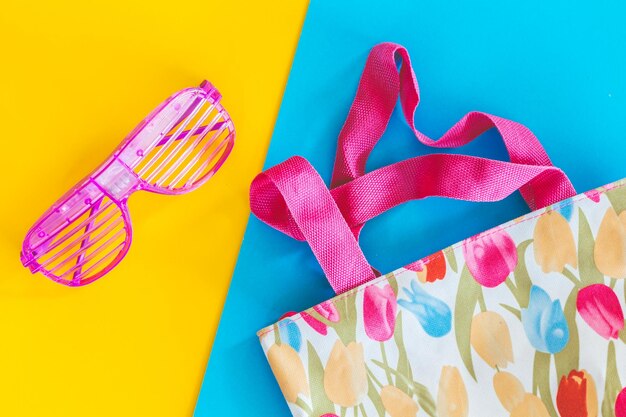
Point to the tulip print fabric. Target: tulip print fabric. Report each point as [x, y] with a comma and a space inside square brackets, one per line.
[524, 320]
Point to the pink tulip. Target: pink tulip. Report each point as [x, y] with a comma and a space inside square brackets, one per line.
[315, 324]
[490, 257]
[288, 314]
[620, 404]
[593, 195]
[327, 310]
[598, 305]
[379, 312]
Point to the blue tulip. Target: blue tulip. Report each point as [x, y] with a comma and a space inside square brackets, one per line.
[433, 314]
[544, 322]
[290, 333]
[565, 210]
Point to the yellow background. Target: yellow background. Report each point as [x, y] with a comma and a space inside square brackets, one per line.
[75, 78]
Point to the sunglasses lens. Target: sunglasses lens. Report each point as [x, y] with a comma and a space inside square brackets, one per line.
[80, 240]
[193, 143]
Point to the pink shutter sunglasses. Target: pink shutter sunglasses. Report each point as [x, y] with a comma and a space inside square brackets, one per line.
[176, 149]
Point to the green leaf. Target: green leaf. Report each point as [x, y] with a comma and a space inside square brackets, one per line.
[568, 358]
[277, 334]
[515, 311]
[374, 396]
[393, 281]
[346, 327]
[451, 257]
[612, 385]
[541, 380]
[321, 403]
[404, 366]
[467, 296]
[589, 273]
[424, 398]
[522, 278]
[617, 197]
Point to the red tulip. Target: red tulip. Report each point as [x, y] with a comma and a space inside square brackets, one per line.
[490, 257]
[431, 269]
[379, 312]
[598, 305]
[577, 396]
[620, 404]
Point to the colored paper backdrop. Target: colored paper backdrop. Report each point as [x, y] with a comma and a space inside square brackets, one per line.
[557, 67]
[75, 79]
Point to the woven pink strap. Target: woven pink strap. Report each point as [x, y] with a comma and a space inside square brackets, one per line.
[293, 198]
[376, 97]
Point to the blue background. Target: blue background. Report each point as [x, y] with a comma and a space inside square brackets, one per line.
[557, 67]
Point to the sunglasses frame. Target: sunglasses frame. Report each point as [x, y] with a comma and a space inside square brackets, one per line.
[117, 180]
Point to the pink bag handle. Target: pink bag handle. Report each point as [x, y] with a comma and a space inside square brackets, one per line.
[376, 97]
[293, 198]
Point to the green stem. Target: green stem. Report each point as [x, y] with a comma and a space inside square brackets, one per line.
[396, 373]
[384, 354]
[376, 381]
[613, 283]
[303, 405]
[481, 301]
[511, 286]
[363, 413]
[570, 275]
[425, 399]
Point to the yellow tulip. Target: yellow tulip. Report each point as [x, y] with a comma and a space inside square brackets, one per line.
[397, 403]
[610, 248]
[509, 390]
[345, 376]
[531, 406]
[592, 396]
[289, 371]
[554, 243]
[490, 337]
[452, 396]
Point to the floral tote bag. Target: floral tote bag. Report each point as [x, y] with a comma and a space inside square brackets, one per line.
[523, 320]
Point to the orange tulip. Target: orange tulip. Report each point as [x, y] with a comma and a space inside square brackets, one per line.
[345, 376]
[490, 337]
[289, 371]
[509, 390]
[554, 243]
[397, 403]
[610, 247]
[577, 395]
[452, 396]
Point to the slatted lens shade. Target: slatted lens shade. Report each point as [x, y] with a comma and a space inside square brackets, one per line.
[174, 150]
